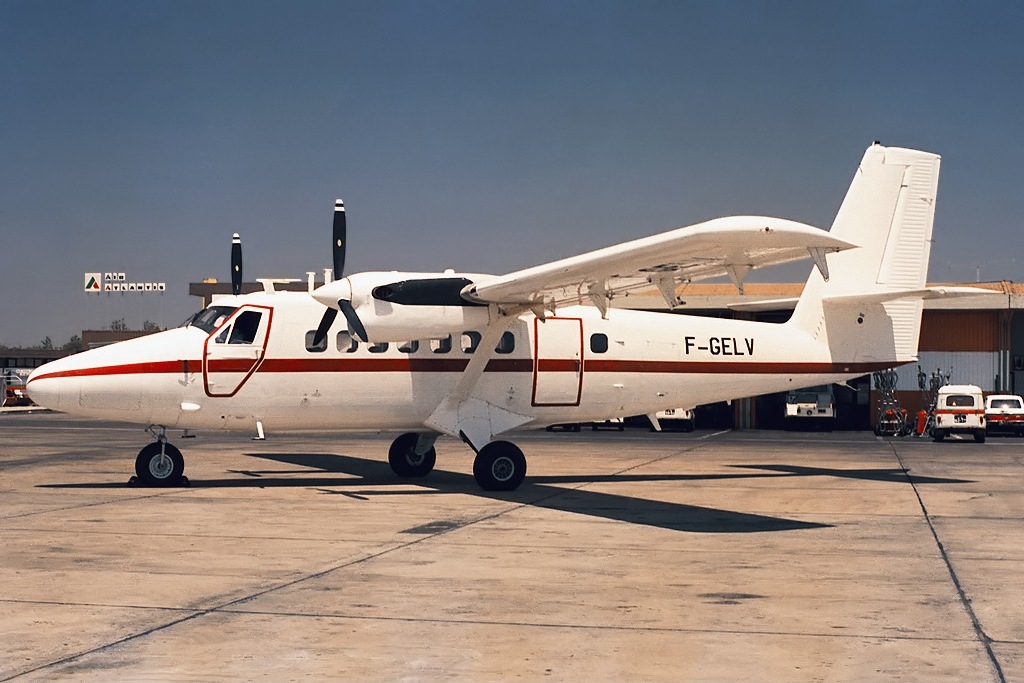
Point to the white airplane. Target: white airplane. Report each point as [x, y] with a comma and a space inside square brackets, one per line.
[478, 356]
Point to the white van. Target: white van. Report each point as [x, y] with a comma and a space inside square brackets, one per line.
[959, 409]
[680, 418]
[812, 403]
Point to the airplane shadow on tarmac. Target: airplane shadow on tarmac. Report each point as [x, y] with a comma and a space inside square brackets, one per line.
[535, 492]
[541, 491]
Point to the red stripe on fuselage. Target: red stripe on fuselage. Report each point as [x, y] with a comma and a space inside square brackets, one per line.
[516, 365]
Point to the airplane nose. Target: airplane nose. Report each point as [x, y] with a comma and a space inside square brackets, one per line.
[44, 391]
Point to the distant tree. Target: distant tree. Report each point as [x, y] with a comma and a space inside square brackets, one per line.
[46, 344]
[119, 325]
[73, 345]
[150, 326]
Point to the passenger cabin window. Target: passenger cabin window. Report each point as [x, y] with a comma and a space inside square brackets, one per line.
[347, 343]
[441, 345]
[507, 343]
[409, 347]
[315, 348]
[960, 401]
[470, 340]
[380, 347]
[599, 343]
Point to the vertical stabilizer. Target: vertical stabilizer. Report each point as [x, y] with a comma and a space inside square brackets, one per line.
[888, 211]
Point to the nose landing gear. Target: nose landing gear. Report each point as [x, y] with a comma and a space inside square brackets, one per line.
[160, 464]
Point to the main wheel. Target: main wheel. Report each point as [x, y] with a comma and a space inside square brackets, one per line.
[160, 464]
[403, 458]
[499, 466]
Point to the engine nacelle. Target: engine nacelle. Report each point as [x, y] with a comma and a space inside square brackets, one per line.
[395, 307]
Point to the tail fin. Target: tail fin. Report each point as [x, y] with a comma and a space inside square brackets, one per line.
[869, 309]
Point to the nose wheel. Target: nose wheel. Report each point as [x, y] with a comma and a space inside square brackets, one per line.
[160, 464]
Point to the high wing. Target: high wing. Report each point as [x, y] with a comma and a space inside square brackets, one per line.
[731, 246]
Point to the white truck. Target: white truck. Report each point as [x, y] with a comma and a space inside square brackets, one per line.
[959, 409]
[1004, 413]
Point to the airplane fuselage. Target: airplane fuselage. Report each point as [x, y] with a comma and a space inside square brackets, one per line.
[573, 367]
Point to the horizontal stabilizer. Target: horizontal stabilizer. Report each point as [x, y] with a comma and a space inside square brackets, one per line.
[787, 304]
[935, 292]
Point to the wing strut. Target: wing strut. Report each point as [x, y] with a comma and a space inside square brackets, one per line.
[466, 417]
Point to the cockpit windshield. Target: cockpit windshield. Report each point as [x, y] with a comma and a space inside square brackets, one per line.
[211, 317]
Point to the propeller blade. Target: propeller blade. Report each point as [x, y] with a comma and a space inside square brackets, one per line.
[325, 326]
[338, 247]
[354, 323]
[236, 264]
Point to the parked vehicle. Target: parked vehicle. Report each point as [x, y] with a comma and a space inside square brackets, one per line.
[1004, 413]
[811, 405]
[616, 423]
[675, 418]
[959, 409]
[12, 390]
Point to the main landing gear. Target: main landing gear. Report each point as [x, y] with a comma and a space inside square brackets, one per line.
[499, 466]
[160, 464]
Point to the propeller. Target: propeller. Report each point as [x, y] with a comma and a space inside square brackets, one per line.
[325, 325]
[339, 239]
[354, 323]
[236, 264]
[344, 305]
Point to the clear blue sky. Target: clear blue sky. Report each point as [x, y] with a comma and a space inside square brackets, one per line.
[482, 136]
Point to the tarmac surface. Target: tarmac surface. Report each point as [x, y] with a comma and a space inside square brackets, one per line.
[747, 556]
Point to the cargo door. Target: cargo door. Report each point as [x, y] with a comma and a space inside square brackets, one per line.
[558, 362]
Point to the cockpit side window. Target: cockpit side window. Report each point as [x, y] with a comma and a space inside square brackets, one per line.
[245, 328]
[211, 317]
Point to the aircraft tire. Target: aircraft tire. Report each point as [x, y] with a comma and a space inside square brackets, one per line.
[499, 466]
[154, 469]
[404, 461]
